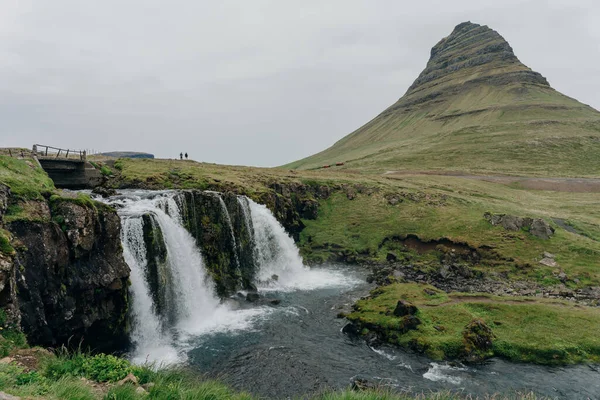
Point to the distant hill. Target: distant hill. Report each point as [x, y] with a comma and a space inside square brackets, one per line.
[127, 154]
[475, 108]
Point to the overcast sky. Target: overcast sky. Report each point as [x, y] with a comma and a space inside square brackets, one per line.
[253, 82]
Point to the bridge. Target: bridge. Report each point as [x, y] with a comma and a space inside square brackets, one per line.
[69, 169]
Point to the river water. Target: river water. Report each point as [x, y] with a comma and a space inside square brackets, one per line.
[293, 346]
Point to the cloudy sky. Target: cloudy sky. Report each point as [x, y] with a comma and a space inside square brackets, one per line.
[254, 82]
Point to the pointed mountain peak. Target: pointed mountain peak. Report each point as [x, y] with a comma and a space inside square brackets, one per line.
[473, 51]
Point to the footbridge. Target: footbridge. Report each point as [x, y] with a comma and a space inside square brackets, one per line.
[69, 169]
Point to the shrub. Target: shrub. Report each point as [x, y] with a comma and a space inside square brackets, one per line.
[106, 368]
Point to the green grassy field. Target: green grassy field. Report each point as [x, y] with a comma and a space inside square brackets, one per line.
[527, 329]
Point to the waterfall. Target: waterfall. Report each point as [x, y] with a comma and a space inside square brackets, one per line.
[192, 306]
[280, 266]
[173, 295]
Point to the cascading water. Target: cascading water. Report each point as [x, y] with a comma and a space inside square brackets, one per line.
[194, 308]
[287, 346]
[173, 298]
[280, 264]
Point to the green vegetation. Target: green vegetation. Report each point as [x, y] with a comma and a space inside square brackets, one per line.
[167, 384]
[496, 117]
[25, 180]
[434, 208]
[5, 246]
[526, 329]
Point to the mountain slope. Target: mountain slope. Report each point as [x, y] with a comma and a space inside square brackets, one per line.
[475, 108]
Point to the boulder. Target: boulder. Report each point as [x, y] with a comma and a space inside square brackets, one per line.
[252, 297]
[478, 340]
[541, 229]
[104, 192]
[404, 308]
[548, 262]
[130, 378]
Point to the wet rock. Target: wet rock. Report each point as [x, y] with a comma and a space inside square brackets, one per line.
[275, 302]
[351, 329]
[275, 277]
[104, 192]
[69, 273]
[252, 297]
[361, 384]
[404, 308]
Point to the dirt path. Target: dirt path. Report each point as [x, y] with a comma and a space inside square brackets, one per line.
[578, 185]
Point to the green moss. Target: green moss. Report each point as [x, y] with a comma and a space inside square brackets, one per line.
[5, 246]
[25, 180]
[525, 329]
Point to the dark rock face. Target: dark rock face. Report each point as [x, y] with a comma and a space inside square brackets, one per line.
[71, 278]
[158, 275]
[468, 48]
[230, 262]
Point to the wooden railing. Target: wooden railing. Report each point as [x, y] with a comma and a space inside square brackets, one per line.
[44, 151]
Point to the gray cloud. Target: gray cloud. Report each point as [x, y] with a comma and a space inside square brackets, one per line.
[249, 82]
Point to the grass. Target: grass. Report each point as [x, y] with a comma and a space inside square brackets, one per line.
[510, 128]
[175, 384]
[527, 329]
[453, 208]
[25, 180]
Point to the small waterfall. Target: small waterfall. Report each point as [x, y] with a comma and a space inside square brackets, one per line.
[173, 296]
[147, 332]
[276, 252]
[193, 299]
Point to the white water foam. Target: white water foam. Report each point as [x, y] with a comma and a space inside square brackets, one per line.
[196, 307]
[442, 373]
[277, 254]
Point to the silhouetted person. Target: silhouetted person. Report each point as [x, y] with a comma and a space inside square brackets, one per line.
[186, 156]
[181, 156]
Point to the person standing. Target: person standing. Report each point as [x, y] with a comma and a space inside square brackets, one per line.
[186, 156]
[181, 156]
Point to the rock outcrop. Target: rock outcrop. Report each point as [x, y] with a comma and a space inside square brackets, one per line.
[535, 226]
[214, 219]
[67, 281]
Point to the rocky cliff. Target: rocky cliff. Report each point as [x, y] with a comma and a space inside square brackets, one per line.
[64, 279]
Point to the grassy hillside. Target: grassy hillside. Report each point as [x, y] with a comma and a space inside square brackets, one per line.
[475, 108]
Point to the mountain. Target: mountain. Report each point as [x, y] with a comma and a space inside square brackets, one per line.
[475, 108]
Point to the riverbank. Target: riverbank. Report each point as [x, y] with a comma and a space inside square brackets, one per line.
[36, 373]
